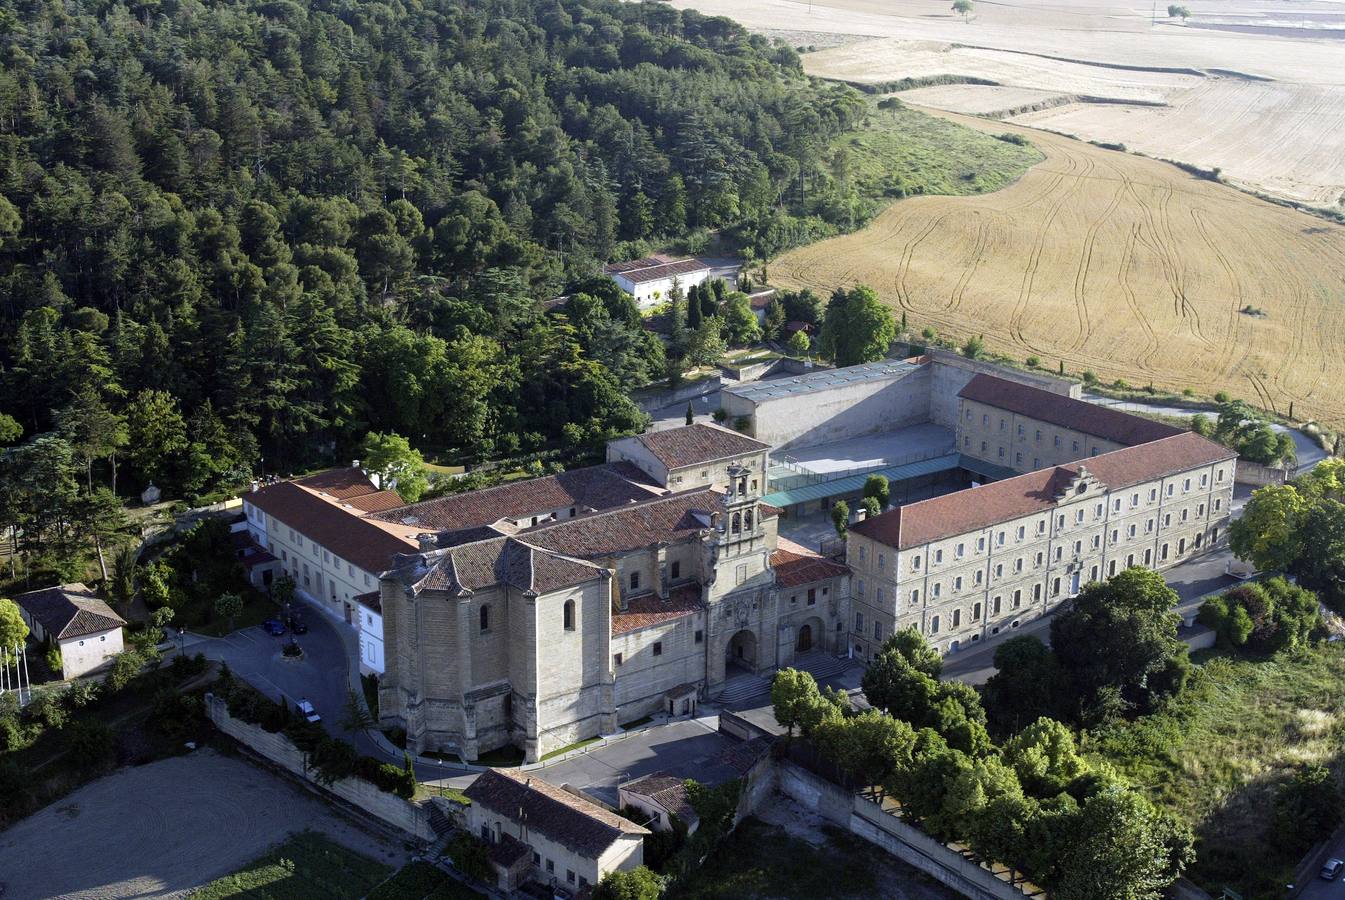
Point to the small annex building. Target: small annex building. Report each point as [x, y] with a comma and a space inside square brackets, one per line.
[76, 620]
[651, 279]
[543, 833]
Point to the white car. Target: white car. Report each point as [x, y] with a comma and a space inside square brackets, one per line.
[308, 712]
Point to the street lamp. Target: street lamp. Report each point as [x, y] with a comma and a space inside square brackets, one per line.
[181, 641]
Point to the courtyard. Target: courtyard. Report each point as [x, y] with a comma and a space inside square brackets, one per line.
[165, 829]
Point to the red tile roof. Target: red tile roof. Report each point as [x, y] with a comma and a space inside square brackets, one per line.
[505, 560]
[796, 565]
[640, 274]
[662, 520]
[69, 611]
[689, 445]
[580, 826]
[667, 791]
[343, 483]
[642, 612]
[919, 523]
[1078, 415]
[368, 544]
[590, 488]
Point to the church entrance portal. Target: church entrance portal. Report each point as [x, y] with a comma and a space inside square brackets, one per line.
[742, 651]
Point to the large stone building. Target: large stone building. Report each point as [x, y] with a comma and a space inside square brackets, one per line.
[546, 634]
[968, 565]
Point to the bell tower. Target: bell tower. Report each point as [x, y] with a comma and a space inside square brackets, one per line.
[741, 519]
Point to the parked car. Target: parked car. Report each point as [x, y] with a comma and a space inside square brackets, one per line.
[308, 712]
[1333, 868]
[296, 624]
[273, 627]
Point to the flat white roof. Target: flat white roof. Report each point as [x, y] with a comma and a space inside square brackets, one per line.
[825, 380]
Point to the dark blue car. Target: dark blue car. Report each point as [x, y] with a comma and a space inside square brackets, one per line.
[273, 627]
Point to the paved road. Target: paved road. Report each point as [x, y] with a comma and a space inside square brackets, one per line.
[685, 749]
[1320, 889]
[162, 829]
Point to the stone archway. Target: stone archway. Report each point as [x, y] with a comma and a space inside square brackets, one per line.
[742, 650]
[811, 635]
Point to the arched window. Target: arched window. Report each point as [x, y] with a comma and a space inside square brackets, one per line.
[737, 522]
[485, 618]
[569, 615]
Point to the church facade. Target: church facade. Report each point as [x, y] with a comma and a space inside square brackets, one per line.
[567, 629]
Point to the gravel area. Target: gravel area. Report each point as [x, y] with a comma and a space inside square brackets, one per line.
[164, 829]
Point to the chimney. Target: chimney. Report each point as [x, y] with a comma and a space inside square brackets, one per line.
[254, 485]
[354, 463]
[714, 520]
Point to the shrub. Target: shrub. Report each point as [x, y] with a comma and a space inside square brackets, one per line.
[637, 884]
[720, 415]
[1307, 808]
[53, 660]
[471, 856]
[125, 666]
[333, 759]
[1033, 362]
[1221, 397]
[92, 742]
[742, 423]
[80, 694]
[47, 708]
[1089, 376]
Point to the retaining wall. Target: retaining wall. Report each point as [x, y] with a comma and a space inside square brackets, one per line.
[866, 819]
[404, 815]
[1257, 474]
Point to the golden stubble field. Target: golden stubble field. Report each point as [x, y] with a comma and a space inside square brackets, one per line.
[1116, 263]
[1265, 103]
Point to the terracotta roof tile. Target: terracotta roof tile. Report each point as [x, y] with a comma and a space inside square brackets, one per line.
[343, 483]
[642, 612]
[594, 487]
[368, 544]
[654, 270]
[69, 611]
[580, 826]
[504, 560]
[1078, 415]
[661, 520]
[688, 445]
[667, 791]
[796, 565]
[980, 507]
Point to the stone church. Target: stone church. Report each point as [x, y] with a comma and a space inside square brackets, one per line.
[540, 635]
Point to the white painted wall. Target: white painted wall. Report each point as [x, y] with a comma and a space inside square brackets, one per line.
[84, 654]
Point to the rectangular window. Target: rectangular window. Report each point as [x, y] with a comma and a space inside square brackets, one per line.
[569, 875]
[859, 588]
[1074, 445]
[882, 561]
[1020, 430]
[675, 570]
[616, 658]
[980, 544]
[634, 581]
[812, 596]
[938, 556]
[1055, 587]
[658, 648]
[957, 583]
[1036, 593]
[976, 612]
[1001, 452]
[1017, 599]
[861, 554]
[937, 589]
[859, 622]
[934, 625]
[700, 636]
[957, 618]
[877, 631]
[961, 548]
[915, 596]
[996, 606]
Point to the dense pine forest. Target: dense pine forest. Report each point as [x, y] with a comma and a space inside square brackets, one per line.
[237, 236]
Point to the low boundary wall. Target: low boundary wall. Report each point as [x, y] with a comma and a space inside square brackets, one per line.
[868, 820]
[404, 815]
[1257, 474]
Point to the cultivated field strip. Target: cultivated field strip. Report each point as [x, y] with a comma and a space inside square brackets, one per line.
[1115, 263]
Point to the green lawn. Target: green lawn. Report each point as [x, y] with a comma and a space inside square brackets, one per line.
[901, 152]
[422, 881]
[308, 865]
[257, 608]
[568, 747]
[1218, 755]
[763, 862]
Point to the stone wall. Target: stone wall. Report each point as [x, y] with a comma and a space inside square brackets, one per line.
[867, 820]
[951, 372]
[404, 815]
[1259, 475]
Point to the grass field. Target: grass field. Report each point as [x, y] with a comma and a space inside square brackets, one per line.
[903, 152]
[422, 881]
[1116, 263]
[307, 865]
[761, 861]
[1217, 757]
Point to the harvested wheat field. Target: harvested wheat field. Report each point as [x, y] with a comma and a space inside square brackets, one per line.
[1116, 263]
[1247, 86]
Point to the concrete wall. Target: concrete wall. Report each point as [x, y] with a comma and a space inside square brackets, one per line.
[951, 372]
[867, 820]
[648, 401]
[846, 411]
[411, 818]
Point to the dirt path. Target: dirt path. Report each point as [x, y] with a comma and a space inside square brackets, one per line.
[163, 829]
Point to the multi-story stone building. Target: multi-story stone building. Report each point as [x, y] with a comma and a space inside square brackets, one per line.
[1025, 428]
[968, 565]
[562, 631]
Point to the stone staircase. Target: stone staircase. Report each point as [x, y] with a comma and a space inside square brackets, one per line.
[822, 665]
[741, 688]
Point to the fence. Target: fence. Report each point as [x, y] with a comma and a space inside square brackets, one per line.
[866, 819]
[404, 815]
